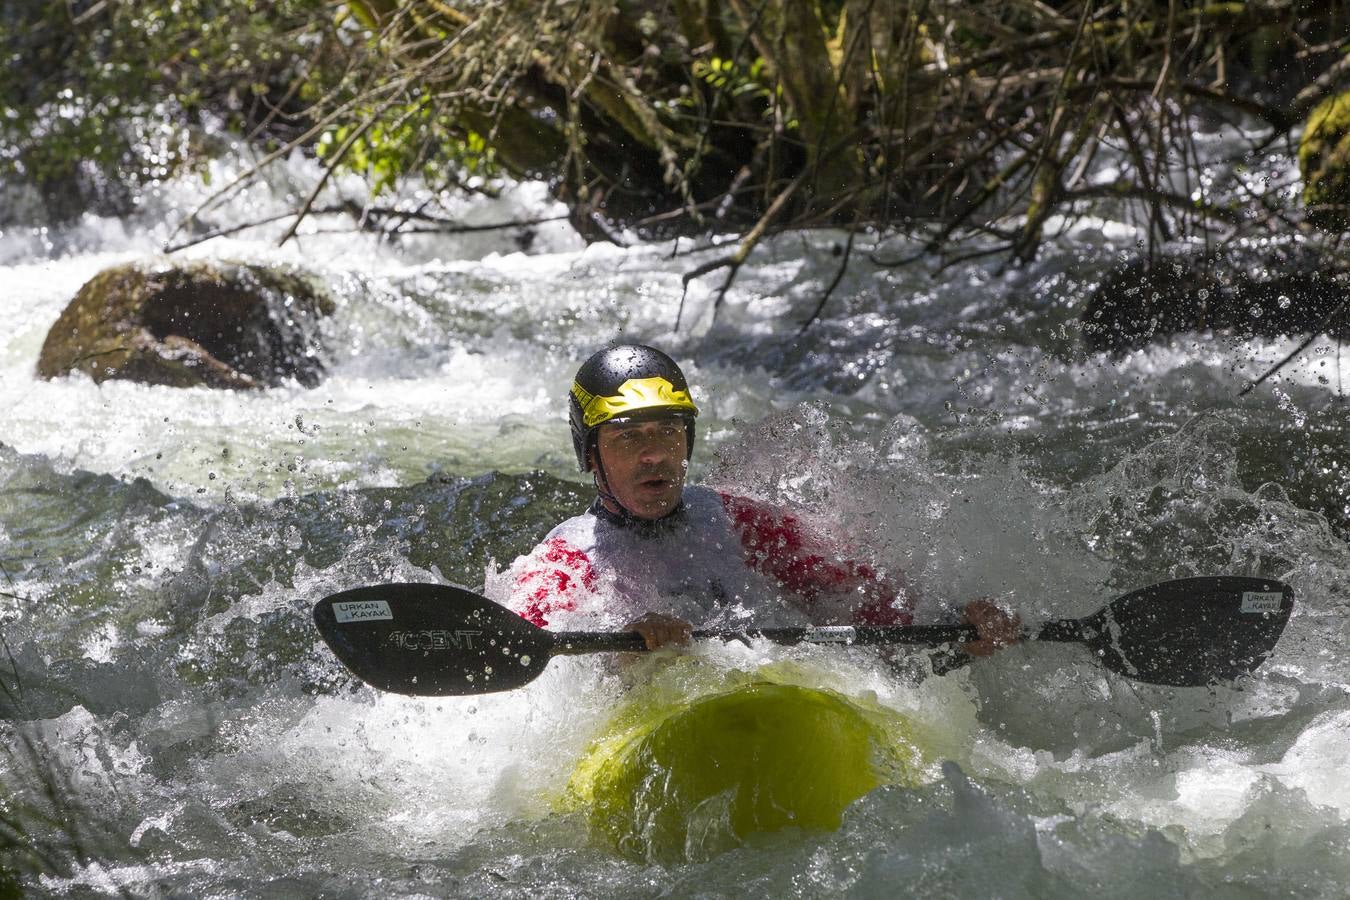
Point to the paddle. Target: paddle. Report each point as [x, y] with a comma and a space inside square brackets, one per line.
[440, 640]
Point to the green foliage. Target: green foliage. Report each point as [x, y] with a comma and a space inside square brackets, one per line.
[748, 84]
[13, 843]
[728, 74]
[27, 842]
[107, 90]
[9, 886]
[417, 137]
[112, 94]
[1324, 161]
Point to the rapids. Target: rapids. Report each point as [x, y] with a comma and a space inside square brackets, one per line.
[176, 728]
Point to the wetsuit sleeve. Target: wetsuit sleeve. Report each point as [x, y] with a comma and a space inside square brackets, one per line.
[554, 580]
[776, 543]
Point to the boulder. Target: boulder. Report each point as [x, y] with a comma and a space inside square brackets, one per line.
[217, 324]
[1324, 162]
[1271, 291]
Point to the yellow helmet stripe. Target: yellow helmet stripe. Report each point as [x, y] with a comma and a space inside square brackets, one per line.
[634, 394]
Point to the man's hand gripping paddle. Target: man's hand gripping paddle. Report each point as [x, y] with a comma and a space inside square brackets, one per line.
[437, 640]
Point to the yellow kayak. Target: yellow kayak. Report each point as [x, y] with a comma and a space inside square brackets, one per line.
[674, 779]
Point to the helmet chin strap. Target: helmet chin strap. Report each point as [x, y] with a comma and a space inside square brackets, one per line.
[624, 516]
[602, 488]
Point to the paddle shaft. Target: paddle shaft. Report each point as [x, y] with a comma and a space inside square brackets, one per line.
[575, 643]
[568, 643]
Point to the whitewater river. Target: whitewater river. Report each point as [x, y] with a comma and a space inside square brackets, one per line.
[175, 727]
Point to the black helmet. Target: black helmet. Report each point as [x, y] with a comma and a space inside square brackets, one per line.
[627, 383]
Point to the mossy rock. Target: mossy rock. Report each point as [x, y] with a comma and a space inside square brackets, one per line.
[1324, 162]
[224, 325]
[1271, 291]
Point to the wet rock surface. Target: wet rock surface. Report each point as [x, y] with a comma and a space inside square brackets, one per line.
[218, 324]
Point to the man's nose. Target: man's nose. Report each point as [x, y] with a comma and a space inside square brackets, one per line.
[654, 449]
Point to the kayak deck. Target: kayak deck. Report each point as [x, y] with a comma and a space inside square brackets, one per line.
[687, 780]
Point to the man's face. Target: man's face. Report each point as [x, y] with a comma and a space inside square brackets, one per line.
[644, 464]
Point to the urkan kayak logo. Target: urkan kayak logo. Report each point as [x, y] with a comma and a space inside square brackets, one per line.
[1261, 601]
[361, 610]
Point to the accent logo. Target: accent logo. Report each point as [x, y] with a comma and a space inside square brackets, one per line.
[831, 634]
[441, 639]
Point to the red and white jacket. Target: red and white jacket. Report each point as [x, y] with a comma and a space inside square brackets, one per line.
[722, 561]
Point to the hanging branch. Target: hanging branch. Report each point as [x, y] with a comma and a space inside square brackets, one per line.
[735, 260]
[1321, 329]
[834, 282]
[328, 171]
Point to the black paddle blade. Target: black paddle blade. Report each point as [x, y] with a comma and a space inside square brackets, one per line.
[431, 640]
[1191, 631]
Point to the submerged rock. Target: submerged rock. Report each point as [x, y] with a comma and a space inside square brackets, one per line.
[229, 325]
[1288, 290]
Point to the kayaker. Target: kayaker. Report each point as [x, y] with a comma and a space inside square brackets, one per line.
[663, 557]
